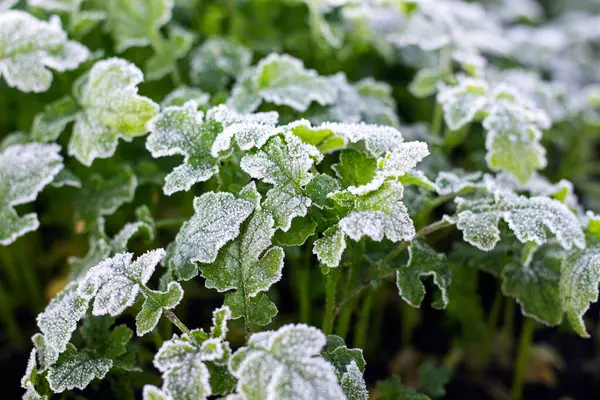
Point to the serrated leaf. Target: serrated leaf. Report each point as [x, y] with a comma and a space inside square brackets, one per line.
[115, 283]
[528, 218]
[134, 23]
[319, 188]
[282, 80]
[49, 124]
[248, 264]
[111, 109]
[340, 356]
[355, 168]
[216, 221]
[30, 46]
[461, 103]
[299, 232]
[330, 248]
[102, 196]
[535, 285]
[283, 162]
[260, 310]
[423, 261]
[76, 370]
[580, 276]
[216, 61]
[290, 353]
[104, 341]
[512, 144]
[182, 361]
[59, 319]
[154, 305]
[378, 214]
[24, 171]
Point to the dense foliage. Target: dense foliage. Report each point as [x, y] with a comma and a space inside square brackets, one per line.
[279, 165]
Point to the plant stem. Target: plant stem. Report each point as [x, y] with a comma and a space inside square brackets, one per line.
[177, 322]
[362, 326]
[345, 315]
[492, 324]
[330, 288]
[169, 223]
[303, 279]
[437, 123]
[525, 341]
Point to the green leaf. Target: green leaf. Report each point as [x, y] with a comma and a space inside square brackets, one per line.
[102, 196]
[432, 379]
[392, 389]
[379, 214]
[282, 80]
[216, 221]
[535, 285]
[153, 393]
[248, 265]
[104, 341]
[76, 370]
[283, 162]
[154, 305]
[135, 23]
[112, 109]
[340, 356]
[353, 383]
[356, 168]
[28, 47]
[299, 232]
[512, 144]
[423, 261]
[164, 60]
[425, 83]
[98, 250]
[66, 178]
[259, 310]
[49, 124]
[182, 95]
[461, 103]
[144, 227]
[24, 171]
[291, 351]
[580, 276]
[216, 61]
[330, 248]
[528, 218]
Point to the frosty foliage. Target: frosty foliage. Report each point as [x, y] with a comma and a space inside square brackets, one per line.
[284, 162]
[24, 171]
[284, 364]
[330, 247]
[282, 80]
[30, 47]
[183, 361]
[248, 265]
[528, 218]
[217, 220]
[111, 109]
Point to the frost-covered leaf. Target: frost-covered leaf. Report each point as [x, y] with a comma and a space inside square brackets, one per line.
[461, 103]
[112, 109]
[580, 276]
[379, 213]
[76, 369]
[24, 171]
[338, 354]
[528, 218]
[535, 285]
[455, 182]
[59, 320]
[299, 232]
[259, 309]
[282, 364]
[49, 124]
[283, 162]
[425, 83]
[248, 264]
[217, 61]
[512, 144]
[102, 340]
[66, 178]
[151, 392]
[102, 196]
[353, 383]
[184, 361]
[134, 22]
[182, 95]
[56, 5]
[144, 226]
[47, 354]
[378, 139]
[423, 261]
[28, 47]
[216, 221]
[319, 188]
[98, 250]
[330, 247]
[165, 57]
[355, 168]
[282, 80]
[115, 283]
[154, 305]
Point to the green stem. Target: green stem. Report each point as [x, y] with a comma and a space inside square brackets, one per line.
[330, 288]
[169, 223]
[491, 328]
[7, 316]
[364, 317]
[509, 322]
[525, 340]
[438, 121]
[345, 315]
[303, 285]
[177, 322]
